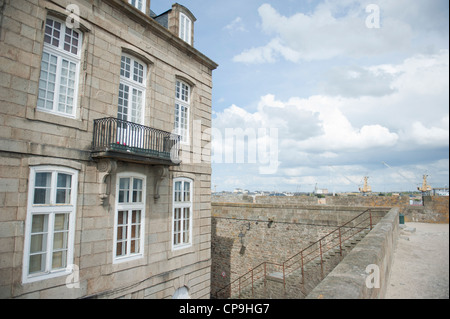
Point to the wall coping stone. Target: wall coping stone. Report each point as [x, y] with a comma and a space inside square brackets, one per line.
[348, 279]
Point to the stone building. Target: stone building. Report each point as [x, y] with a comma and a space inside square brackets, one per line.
[104, 151]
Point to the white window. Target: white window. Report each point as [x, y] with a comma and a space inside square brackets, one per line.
[185, 28]
[131, 90]
[131, 101]
[129, 217]
[60, 67]
[138, 4]
[182, 106]
[50, 224]
[182, 213]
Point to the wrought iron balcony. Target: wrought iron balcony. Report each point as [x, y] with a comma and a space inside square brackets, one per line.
[122, 140]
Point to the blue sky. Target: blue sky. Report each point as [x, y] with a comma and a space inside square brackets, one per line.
[347, 85]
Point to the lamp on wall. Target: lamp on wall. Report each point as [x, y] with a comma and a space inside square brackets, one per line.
[242, 240]
[244, 228]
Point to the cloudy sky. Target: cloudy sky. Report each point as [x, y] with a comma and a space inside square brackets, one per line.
[326, 92]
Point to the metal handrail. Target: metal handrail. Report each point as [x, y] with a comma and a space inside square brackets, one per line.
[285, 265]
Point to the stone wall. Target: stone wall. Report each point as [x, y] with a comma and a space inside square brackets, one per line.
[349, 279]
[245, 235]
[435, 209]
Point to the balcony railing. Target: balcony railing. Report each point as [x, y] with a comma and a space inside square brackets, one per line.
[122, 139]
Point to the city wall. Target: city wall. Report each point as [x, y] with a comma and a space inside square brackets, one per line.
[244, 235]
[433, 209]
[248, 231]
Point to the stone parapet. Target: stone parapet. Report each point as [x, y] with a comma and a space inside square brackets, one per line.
[372, 257]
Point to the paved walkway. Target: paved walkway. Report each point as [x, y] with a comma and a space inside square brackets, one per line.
[421, 263]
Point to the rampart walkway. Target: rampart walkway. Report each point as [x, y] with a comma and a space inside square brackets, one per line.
[421, 263]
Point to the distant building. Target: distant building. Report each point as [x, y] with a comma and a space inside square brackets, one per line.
[443, 191]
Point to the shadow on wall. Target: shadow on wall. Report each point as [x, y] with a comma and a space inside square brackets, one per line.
[220, 269]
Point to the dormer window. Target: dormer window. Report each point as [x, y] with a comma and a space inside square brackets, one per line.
[185, 28]
[138, 4]
[180, 21]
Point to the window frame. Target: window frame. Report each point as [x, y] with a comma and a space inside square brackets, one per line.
[182, 205]
[132, 84]
[50, 210]
[185, 29]
[130, 206]
[61, 54]
[179, 104]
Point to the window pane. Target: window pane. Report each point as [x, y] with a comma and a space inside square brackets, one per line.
[177, 115]
[38, 243]
[136, 217]
[39, 224]
[71, 41]
[122, 233]
[122, 218]
[67, 87]
[59, 259]
[187, 191]
[122, 113]
[137, 184]
[136, 106]
[125, 67]
[60, 240]
[52, 32]
[37, 263]
[124, 190]
[183, 27]
[122, 229]
[134, 249]
[63, 190]
[61, 222]
[120, 249]
[138, 71]
[177, 191]
[182, 91]
[63, 180]
[135, 231]
[137, 190]
[186, 225]
[43, 179]
[47, 81]
[42, 188]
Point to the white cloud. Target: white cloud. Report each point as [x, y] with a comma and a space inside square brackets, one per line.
[359, 81]
[408, 121]
[430, 136]
[237, 25]
[338, 28]
[311, 125]
[268, 54]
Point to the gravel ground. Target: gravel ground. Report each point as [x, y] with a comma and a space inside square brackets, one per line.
[421, 263]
